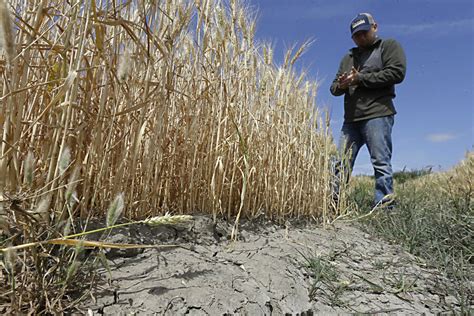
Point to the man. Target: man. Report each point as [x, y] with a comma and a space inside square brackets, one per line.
[366, 77]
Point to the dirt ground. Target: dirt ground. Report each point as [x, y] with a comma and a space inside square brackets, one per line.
[266, 272]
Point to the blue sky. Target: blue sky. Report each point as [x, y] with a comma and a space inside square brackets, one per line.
[435, 103]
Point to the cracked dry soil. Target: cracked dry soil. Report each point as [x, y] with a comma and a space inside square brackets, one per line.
[265, 273]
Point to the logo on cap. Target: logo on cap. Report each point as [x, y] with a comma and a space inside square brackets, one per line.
[362, 22]
[356, 24]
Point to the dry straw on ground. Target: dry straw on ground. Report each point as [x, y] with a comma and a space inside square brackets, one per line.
[171, 102]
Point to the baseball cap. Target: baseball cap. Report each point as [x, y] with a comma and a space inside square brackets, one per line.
[362, 22]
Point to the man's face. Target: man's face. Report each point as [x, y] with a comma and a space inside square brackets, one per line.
[364, 39]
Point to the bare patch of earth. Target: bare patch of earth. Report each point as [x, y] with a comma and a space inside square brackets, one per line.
[266, 272]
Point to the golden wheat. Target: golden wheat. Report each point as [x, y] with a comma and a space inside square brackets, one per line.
[173, 103]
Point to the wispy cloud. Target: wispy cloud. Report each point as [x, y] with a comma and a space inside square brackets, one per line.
[316, 11]
[436, 27]
[326, 11]
[363, 169]
[441, 137]
[335, 121]
[368, 168]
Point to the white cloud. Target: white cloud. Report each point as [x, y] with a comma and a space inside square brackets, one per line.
[326, 12]
[315, 11]
[441, 137]
[335, 122]
[363, 169]
[437, 27]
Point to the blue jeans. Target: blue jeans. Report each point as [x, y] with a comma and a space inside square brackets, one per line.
[376, 133]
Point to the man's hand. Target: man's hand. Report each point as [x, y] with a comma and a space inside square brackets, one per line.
[348, 79]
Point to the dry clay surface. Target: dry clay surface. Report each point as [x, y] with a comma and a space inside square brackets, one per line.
[266, 272]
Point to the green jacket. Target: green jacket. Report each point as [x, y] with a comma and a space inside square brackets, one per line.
[381, 67]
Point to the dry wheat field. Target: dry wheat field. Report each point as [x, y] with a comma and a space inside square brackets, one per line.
[154, 107]
[170, 104]
[129, 111]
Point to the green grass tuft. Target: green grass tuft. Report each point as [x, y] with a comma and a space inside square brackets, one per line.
[433, 218]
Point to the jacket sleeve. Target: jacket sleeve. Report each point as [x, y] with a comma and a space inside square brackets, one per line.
[335, 85]
[394, 67]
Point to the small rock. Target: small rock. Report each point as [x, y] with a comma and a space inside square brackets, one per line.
[384, 299]
[450, 300]
[123, 253]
